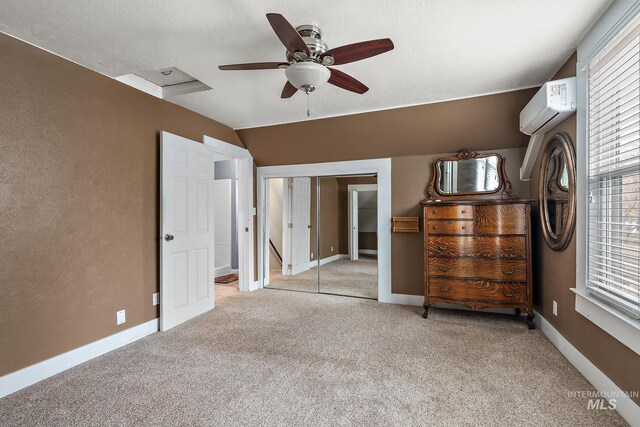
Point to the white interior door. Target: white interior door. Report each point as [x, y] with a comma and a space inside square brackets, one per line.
[186, 223]
[353, 225]
[299, 227]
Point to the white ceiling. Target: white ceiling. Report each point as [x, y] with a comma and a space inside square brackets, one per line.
[443, 49]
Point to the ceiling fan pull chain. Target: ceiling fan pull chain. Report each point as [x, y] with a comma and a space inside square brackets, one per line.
[308, 105]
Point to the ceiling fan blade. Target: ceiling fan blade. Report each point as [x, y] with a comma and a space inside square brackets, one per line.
[357, 51]
[345, 81]
[287, 34]
[253, 66]
[288, 90]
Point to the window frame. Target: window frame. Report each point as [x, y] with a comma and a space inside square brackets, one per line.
[614, 321]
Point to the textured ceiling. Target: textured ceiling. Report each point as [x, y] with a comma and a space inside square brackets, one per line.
[444, 49]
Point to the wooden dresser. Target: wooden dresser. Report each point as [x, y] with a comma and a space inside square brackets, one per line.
[477, 253]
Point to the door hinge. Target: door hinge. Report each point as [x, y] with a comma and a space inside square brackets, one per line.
[290, 225]
[289, 266]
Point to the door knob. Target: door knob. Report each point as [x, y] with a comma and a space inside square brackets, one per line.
[168, 237]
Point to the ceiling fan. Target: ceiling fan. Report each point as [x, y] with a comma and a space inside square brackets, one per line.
[309, 58]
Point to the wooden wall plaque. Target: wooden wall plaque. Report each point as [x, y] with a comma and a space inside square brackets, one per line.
[406, 224]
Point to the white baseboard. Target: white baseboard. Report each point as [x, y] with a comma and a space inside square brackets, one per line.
[327, 260]
[402, 299]
[625, 406]
[221, 271]
[25, 377]
[368, 251]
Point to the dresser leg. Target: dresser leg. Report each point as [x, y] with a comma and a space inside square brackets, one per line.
[426, 310]
[530, 316]
[518, 312]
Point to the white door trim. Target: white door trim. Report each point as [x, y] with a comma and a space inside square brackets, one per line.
[381, 167]
[244, 208]
[362, 187]
[353, 224]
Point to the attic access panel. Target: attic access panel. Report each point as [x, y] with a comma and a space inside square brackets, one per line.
[166, 76]
[164, 83]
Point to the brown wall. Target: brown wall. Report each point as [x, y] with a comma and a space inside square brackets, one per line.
[329, 217]
[78, 202]
[555, 274]
[329, 220]
[480, 123]
[367, 240]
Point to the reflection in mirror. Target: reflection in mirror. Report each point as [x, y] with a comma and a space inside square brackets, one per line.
[564, 177]
[348, 236]
[557, 195]
[556, 191]
[474, 175]
[291, 225]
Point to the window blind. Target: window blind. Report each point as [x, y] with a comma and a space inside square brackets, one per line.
[613, 172]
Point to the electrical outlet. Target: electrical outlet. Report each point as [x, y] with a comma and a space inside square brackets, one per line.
[120, 317]
[311, 255]
[156, 298]
[331, 248]
[555, 308]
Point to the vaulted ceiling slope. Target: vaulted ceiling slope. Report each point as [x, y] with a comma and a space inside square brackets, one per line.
[443, 49]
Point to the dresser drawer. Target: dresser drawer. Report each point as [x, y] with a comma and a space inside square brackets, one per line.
[450, 212]
[501, 219]
[483, 290]
[503, 269]
[477, 246]
[450, 227]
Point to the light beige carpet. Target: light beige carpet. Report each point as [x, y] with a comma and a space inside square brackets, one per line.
[343, 277]
[296, 359]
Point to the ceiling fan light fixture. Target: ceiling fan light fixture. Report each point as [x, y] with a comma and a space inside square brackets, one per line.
[306, 75]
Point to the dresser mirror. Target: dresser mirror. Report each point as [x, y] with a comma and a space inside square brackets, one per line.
[469, 174]
[475, 175]
[557, 192]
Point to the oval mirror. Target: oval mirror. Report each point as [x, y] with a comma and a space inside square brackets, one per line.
[557, 192]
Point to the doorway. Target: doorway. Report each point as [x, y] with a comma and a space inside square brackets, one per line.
[225, 223]
[234, 214]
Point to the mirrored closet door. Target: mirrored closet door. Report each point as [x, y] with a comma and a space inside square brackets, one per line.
[291, 234]
[322, 235]
[348, 236]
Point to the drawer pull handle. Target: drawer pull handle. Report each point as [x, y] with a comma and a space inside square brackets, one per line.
[462, 212]
[477, 219]
[443, 247]
[445, 269]
[508, 249]
[435, 212]
[464, 227]
[507, 271]
[509, 294]
[445, 289]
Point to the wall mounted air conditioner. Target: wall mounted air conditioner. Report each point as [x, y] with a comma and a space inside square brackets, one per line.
[553, 103]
